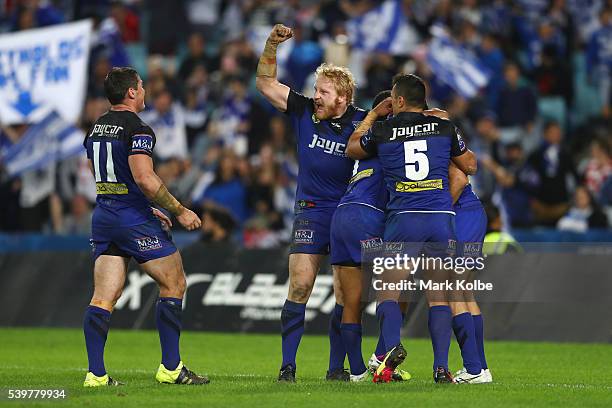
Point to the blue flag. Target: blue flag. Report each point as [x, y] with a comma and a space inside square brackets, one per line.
[457, 66]
[48, 141]
[382, 29]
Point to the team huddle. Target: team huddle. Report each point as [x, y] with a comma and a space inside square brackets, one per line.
[397, 173]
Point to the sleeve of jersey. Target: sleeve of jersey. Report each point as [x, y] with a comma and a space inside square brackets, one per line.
[297, 103]
[458, 146]
[142, 142]
[367, 143]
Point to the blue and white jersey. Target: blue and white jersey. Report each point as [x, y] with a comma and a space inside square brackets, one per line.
[367, 185]
[415, 151]
[324, 167]
[111, 140]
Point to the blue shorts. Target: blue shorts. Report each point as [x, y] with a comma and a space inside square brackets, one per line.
[143, 242]
[471, 228]
[355, 228]
[430, 233]
[311, 229]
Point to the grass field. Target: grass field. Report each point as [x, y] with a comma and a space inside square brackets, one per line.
[243, 368]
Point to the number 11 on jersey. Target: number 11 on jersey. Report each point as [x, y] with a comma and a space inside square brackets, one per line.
[110, 166]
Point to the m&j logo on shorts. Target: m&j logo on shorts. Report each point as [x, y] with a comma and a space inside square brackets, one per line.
[148, 243]
[303, 237]
[372, 243]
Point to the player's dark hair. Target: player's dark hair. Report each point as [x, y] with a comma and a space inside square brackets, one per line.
[381, 96]
[117, 83]
[412, 89]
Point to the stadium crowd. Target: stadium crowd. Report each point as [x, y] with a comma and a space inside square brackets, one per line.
[541, 127]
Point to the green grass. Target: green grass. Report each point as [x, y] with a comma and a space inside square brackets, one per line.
[243, 368]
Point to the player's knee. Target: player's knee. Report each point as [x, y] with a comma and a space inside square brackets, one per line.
[299, 291]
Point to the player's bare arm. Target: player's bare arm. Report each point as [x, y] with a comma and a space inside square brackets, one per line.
[354, 149]
[266, 81]
[439, 113]
[151, 185]
[457, 180]
[466, 162]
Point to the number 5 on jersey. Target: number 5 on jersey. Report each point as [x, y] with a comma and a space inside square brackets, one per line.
[417, 162]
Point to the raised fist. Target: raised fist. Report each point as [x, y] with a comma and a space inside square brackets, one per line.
[280, 33]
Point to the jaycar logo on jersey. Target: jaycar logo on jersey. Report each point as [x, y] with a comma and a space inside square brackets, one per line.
[303, 237]
[148, 243]
[424, 129]
[142, 143]
[328, 146]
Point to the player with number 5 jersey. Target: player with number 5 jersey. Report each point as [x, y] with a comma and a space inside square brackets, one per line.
[415, 151]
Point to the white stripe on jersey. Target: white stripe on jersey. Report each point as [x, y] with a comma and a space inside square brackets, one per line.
[358, 203]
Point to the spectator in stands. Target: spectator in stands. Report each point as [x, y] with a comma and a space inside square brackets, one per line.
[127, 21]
[517, 105]
[491, 56]
[227, 189]
[380, 69]
[599, 167]
[514, 181]
[231, 122]
[196, 56]
[34, 13]
[217, 225]
[599, 59]
[78, 222]
[556, 176]
[167, 27]
[486, 144]
[585, 213]
[107, 42]
[167, 118]
[552, 77]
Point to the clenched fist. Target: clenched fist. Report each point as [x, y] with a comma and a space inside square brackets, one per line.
[280, 33]
[189, 220]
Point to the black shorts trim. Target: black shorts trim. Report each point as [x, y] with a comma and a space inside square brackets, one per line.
[114, 250]
[347, 263]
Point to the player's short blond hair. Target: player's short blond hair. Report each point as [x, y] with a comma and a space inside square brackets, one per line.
[341, 77]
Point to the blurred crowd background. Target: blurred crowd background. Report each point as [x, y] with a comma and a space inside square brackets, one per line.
[541, 126]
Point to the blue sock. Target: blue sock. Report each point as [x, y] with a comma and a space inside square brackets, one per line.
[168, 314]
[390, 320]
[479, 330]
[440, 329]
[95, 328]
[380, 346]
[292, 329]
[351, 336]
[463, 326]
[337, 351]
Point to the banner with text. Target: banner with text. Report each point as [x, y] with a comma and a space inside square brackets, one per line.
[42, 70]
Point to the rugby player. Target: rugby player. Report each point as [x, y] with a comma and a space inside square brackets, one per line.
[358, 224]
[415, 151]
[470, 227]
[120, 147]
[323, 125]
